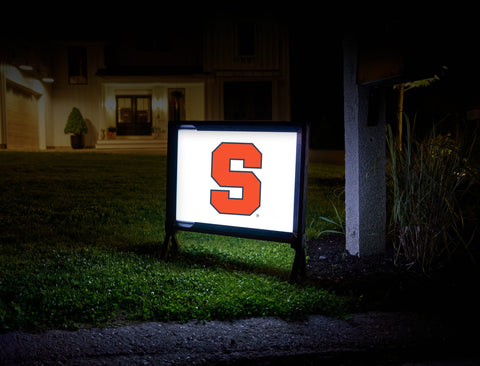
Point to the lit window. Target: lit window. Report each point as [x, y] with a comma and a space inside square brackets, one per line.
[134, 115]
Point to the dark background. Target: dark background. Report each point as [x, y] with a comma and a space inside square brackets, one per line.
[428, 38]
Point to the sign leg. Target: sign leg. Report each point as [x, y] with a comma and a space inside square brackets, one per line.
[299, 267]
[170, 245]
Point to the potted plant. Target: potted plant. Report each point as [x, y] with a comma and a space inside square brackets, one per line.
[77, 127]
[112, 132]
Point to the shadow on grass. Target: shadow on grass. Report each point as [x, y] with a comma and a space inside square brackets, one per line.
[154, 249]
[219, 261]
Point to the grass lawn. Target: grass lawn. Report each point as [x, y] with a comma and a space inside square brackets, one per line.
[80, 236]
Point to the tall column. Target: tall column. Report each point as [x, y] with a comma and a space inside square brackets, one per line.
[365, 197]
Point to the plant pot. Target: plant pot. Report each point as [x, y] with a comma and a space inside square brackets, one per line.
[77, 141]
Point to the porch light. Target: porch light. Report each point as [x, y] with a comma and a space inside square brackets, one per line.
[110, 103]
[48, 79]
[158, 104]
[25, 67]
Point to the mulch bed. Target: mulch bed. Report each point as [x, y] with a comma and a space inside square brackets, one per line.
[380, 284]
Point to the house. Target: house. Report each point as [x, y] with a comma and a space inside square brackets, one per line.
[135, 81]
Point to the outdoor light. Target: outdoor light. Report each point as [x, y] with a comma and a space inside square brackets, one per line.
[48, 79]
[110, 102]
[25, 67]
[158, 103]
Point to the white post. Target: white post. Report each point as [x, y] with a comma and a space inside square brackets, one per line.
[365, 198]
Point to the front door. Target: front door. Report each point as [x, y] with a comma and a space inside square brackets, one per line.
[134, 115]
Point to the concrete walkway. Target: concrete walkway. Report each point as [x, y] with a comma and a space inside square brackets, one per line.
[373, 338]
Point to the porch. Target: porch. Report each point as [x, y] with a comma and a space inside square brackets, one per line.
[123, 143]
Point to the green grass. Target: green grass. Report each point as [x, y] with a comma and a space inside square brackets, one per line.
[80, 236]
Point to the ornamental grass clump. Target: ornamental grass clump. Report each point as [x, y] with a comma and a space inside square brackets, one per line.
[426, 179]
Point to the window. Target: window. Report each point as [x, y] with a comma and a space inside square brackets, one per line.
[77, 65]
[134, 115]
[143, 110]
[124, 109]
[247, 101]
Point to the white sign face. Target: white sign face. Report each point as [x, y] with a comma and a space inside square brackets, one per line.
[237, 178]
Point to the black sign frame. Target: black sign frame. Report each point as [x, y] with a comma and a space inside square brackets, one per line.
[296, 237]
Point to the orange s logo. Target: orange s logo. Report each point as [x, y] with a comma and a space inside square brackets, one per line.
[248, 181]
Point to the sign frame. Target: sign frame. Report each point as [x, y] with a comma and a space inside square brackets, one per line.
[296, 237]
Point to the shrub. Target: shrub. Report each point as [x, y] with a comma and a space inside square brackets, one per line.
[425, 181]
[75, 123]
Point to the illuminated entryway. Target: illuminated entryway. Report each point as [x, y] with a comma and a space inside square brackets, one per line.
[139, 111]
[134, 115]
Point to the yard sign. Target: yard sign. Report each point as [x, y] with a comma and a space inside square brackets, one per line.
[238, 179]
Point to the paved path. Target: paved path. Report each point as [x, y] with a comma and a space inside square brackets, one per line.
[364, 339]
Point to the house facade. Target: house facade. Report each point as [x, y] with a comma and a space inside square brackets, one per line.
[129, 84]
